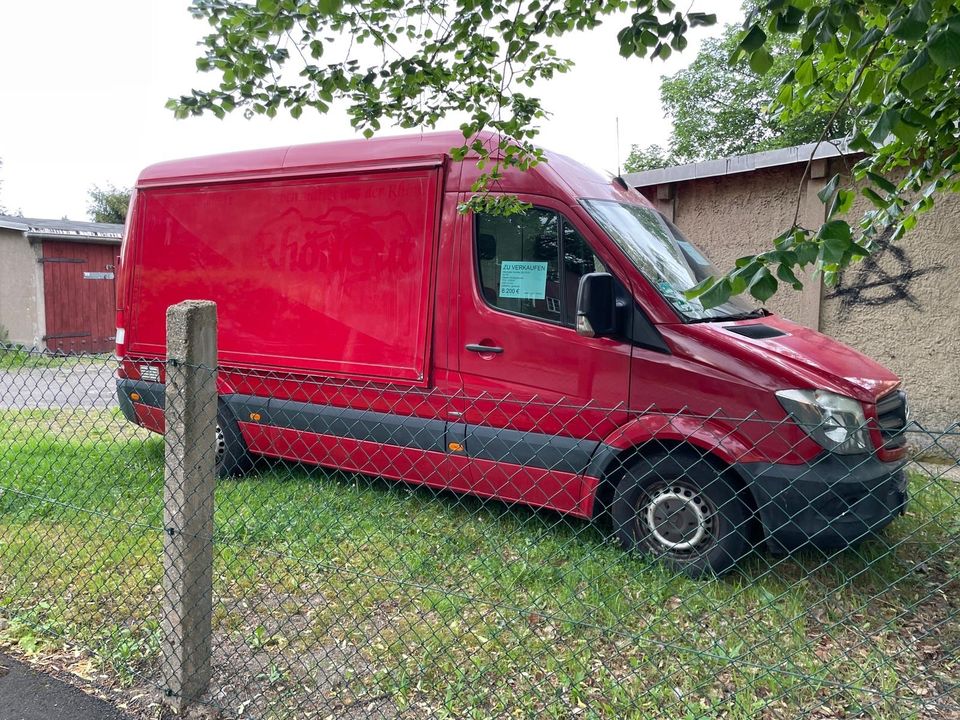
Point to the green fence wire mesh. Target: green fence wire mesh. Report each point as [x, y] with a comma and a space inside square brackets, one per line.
[392, 553]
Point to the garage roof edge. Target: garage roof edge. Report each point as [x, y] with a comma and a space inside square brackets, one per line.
[75, 230]
[739, 163]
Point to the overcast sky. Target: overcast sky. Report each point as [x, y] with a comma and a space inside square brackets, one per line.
[84, 86]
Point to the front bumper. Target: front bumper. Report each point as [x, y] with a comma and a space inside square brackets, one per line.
[832, 502]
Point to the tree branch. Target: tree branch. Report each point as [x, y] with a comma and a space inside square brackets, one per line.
[826, 128]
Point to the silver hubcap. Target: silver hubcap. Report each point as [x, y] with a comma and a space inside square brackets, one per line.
[220, 445]
[678, 519]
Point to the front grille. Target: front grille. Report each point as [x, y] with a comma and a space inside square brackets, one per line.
[892, 416]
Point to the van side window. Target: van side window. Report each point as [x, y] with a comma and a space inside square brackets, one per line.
[518, 259]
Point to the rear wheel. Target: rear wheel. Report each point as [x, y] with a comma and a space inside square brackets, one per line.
[680, 509]
[232, 457]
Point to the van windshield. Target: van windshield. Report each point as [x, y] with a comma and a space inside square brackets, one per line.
[665, 257]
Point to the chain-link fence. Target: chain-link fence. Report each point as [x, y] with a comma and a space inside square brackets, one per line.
[387, 552]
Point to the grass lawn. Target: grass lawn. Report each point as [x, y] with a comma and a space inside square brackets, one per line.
[335, 591]
[17, 358]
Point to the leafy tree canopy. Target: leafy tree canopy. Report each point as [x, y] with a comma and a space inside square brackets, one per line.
[650, 157]
[896, 62]
[109, 204]
[719, 110]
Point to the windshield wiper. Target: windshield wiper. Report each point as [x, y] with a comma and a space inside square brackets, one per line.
[749, 315]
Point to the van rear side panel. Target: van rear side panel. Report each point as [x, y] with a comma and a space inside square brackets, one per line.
[328, 275]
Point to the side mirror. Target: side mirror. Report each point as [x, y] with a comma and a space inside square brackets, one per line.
[596, 305]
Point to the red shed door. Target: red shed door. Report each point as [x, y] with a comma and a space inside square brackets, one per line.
[78, 293]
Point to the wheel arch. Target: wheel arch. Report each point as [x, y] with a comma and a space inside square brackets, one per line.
[695, 438]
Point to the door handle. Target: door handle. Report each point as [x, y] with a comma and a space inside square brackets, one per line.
[485, 349]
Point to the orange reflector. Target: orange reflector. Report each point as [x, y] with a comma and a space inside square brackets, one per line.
[456, 447]
[135, 396]
[255, 417]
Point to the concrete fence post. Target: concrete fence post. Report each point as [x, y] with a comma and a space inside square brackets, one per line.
[189, 479]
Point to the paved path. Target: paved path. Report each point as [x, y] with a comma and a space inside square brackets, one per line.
[26, 694]
[76, 384]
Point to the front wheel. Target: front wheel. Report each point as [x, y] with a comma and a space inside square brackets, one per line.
[681, 510]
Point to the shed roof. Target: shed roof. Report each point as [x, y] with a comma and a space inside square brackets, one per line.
[739, 163]
[69, 230]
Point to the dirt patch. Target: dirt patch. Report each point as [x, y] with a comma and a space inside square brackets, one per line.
[271, 663]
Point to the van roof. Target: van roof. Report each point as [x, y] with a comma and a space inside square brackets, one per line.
[410, 150]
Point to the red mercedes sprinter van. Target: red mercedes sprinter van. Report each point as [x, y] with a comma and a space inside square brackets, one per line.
[548, 357]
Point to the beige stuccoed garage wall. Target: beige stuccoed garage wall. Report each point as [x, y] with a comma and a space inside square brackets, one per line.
[903, 308]
[21, 293]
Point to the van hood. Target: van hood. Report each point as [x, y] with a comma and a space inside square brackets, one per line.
[796, 356]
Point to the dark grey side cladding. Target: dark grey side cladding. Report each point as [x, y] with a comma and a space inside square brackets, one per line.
[386, 428]
[550, 452]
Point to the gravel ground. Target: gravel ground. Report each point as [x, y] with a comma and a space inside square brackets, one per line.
[77, 384]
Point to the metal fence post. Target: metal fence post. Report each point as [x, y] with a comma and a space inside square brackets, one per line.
[189, 478]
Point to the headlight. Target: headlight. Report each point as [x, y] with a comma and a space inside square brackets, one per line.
[836, 422]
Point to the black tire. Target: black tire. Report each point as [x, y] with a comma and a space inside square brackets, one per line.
[682, 510]
[233, 459]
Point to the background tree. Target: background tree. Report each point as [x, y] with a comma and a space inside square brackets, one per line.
[719, 109]
[896, 61]
[108, 205]
[650, 157]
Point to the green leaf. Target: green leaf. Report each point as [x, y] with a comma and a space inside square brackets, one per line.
[829, 189]
[905, 132]
[835, 230]
[836, 238]
[944, 48]
[697, 19]
[881, 182]
[761, 61]
[878, 200]
[860, 142]
[842, 202]
[748, 267]
[919, 74]
[329, 7]
[789, 20]
[662, 51]
[754, 39]
[764, 285]
[805, 72]
[885, 124]
[718, 294]
[868, 83]
[867, 40]
[700, 288]
[914, 25]
[785, 273]
[268, 6]
[806, 252]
